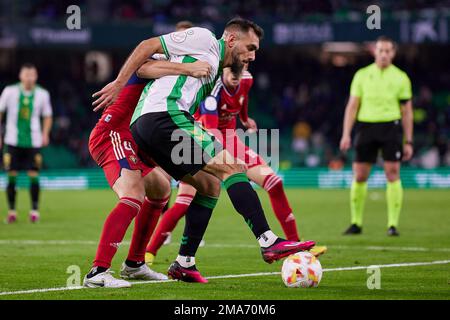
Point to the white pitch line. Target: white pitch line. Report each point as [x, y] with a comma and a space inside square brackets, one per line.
[260, 274]
[221, 245]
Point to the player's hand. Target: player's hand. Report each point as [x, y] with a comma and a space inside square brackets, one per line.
[251, 125]
[408, 151]
[45, 140]
[199, 69]
[107, 95]
[346, 143]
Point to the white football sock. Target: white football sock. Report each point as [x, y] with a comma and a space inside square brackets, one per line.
[186, 261]
[267, 239]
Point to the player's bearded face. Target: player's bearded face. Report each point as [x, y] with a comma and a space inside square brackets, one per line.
[237, 65]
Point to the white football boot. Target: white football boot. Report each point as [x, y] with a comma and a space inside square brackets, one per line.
[105, 280]
[141, 273]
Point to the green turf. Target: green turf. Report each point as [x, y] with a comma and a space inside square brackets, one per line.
[322, 216]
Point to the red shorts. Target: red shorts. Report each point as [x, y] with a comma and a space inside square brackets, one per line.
[113, 150]
[241, 151]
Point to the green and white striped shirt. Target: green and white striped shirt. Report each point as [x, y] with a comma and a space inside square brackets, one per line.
[24, 110]
[183, 93]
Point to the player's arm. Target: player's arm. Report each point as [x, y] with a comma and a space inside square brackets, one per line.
[1, 140]
[407, 123]
[47, 121]
[154, 69]
[351, 111]
[3, 98]
[140, 54]
[248, 122]
[349, 120]
[196, 41]
[208, 114]
[405, 97]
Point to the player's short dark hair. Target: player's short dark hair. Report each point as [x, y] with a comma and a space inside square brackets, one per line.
[28, 65]
[387, 39]
[244, 25]
[185, 24]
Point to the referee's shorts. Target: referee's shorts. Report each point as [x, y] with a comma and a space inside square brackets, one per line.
[370, 138]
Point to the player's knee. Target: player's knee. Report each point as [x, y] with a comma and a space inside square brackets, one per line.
[158, 187]
[361, 176]
[228, 169]
[392, 175]
[131, 187]
[209, 187]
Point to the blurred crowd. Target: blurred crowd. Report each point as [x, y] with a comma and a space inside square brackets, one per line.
[308, 105]
[294, 90]
[212, 10]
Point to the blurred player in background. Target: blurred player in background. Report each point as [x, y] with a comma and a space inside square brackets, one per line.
[113, 148]
[380, 103]
[25, 103]
[228, 99]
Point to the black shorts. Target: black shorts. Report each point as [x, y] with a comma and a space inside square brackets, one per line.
[370, 138]
[174, 141]
[22, 159]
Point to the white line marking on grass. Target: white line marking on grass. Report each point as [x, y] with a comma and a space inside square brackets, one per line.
[260, 274]
[221, 245]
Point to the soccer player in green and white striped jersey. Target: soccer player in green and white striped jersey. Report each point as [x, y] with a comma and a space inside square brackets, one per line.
[165, 112]
[25, 103]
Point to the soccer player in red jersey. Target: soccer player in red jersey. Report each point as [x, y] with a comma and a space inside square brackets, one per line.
[229, 99]
[113, 148]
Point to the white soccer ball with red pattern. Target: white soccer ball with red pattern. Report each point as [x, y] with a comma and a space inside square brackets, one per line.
[301, 269]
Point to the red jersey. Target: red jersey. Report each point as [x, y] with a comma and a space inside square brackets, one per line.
[118, 115]
[219, 110]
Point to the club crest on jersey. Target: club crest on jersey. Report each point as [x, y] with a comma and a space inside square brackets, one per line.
[133, 159]
[178, 37]
[108, 118]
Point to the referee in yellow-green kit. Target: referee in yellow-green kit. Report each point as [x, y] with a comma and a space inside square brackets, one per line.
[380, 108]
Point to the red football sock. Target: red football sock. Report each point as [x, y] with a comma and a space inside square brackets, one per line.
[144, 226]
[114, 230]
[169, 221]
[274, 186]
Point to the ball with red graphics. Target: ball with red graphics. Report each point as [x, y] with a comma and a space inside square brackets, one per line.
[301, 270]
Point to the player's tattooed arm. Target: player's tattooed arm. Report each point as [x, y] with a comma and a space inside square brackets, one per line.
[154, 69]
[109, 93]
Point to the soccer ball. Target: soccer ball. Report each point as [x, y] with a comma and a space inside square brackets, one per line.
[301, 269]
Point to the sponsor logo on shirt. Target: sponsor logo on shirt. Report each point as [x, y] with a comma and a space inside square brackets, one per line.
[108, 118]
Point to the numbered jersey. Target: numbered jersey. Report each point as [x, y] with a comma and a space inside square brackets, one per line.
[24, 110]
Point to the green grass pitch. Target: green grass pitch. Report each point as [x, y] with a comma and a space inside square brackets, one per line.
[72, 220]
